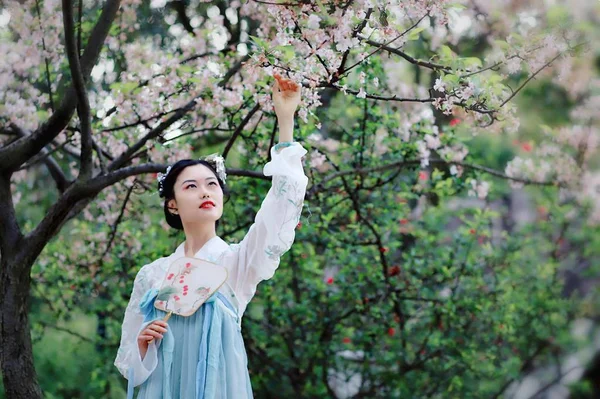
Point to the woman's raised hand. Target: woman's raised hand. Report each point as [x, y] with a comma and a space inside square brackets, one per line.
[286, 96]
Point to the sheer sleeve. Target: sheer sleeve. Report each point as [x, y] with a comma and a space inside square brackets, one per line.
[129, 360]
[273, 230]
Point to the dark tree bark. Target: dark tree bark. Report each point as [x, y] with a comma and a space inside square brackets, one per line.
[16, 356]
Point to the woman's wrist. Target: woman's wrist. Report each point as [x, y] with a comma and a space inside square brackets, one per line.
[285, 118]
[143, 349]
[286, 128]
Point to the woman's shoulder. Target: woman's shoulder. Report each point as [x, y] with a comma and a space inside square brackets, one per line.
[150, 269]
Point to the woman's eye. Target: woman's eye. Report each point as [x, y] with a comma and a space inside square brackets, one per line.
[191, 186]
[212, 182]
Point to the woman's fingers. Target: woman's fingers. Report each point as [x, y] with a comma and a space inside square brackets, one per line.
[161, 323]
[154, 330]
[285, 84]
[158, 328]
[279, 79]
[155, 334]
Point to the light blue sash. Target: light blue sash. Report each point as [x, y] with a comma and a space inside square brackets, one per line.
[209, 335]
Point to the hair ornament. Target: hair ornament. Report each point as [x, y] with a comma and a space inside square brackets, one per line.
[161, 178]
[219, 163]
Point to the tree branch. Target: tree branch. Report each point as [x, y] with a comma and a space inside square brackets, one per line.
[411, 162]
[52, 106]
[382, 98]
[115, 226]
[10, 233]
[45, 155]
[407, 57]
[83, 104]
[64, 329]
[18, 152]
[122, 159]
[180, 113]
[239, 129]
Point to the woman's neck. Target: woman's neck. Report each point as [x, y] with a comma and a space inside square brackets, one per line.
[195, 239]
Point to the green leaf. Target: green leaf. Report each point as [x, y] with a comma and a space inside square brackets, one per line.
[125, 88]
[260, 43]
[472, 61]
[446, 52]
[415, 33]
[166, 292]
[287, 53]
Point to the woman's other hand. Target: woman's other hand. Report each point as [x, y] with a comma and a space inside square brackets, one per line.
[154, 330]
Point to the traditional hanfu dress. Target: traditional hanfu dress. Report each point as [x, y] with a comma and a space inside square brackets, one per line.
[203, 355]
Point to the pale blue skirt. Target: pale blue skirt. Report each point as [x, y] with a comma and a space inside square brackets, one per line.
[201, 356]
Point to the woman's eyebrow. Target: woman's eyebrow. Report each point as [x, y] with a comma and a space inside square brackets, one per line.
[194, 180]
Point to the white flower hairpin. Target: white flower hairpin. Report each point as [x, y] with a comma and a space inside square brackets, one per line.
[219, 164]
[215, 159]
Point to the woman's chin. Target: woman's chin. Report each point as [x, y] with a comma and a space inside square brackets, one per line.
[202, 219]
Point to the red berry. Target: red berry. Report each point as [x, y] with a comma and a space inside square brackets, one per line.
[391, 331]
[330, 280]
[347, 340]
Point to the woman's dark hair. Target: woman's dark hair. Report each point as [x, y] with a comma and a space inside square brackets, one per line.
[168, 191]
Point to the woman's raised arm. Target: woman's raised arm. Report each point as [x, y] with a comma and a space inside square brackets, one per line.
[273, 230]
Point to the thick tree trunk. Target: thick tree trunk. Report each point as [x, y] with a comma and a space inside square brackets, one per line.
[16, 354]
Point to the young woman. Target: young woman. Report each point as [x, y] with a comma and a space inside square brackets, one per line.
[203, 355]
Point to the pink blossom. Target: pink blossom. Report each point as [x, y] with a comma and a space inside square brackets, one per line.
[439, 85]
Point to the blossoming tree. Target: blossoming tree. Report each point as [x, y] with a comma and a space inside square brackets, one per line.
[97, 97]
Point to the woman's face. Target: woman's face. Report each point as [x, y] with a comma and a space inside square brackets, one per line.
[194, 186]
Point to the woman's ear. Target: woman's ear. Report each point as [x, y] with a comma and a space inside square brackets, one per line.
[172, 205]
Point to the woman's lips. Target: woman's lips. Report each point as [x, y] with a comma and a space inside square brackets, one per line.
[207, 205]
